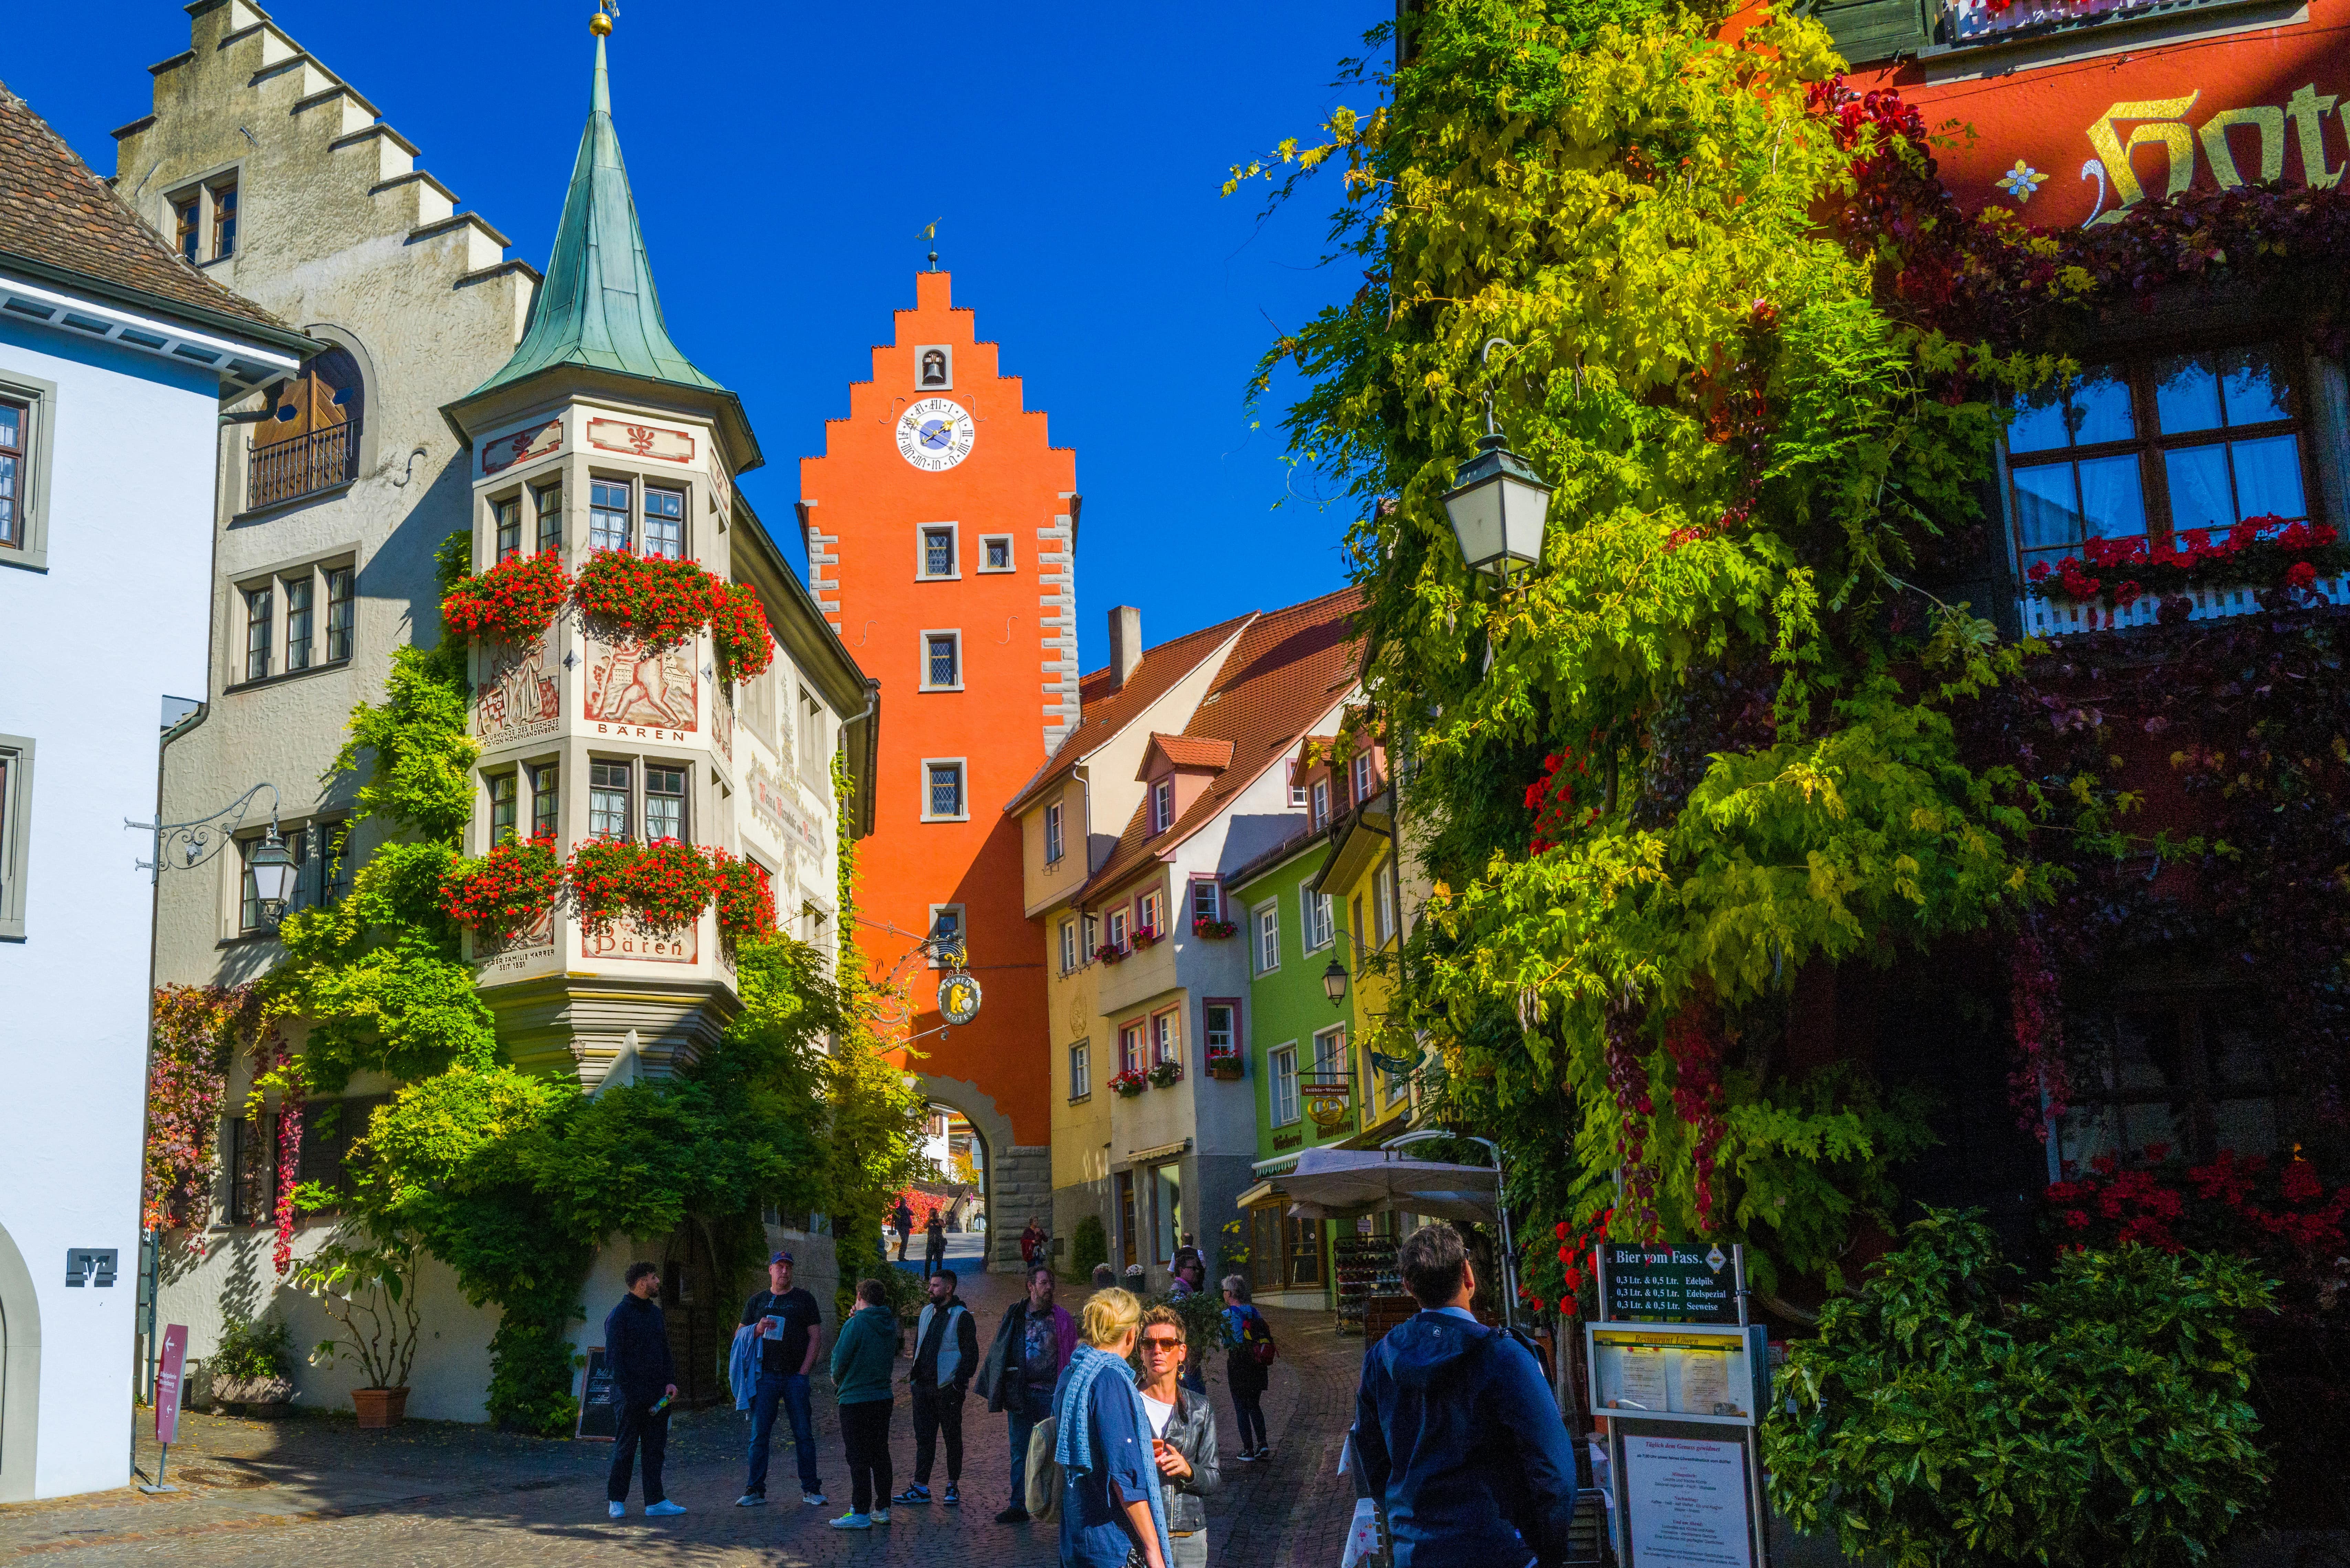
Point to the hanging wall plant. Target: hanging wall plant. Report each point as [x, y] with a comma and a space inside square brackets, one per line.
[746, 898]
[647, 601]
[1167, 1074]
[672, 883]
[738, 632]
[505, 892]
[514, 602]
[599, 873]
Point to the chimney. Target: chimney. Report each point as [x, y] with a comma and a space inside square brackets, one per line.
[1124, 644]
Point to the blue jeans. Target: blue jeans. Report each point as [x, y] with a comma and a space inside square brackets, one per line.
[1021, 1427]
[791, 1390]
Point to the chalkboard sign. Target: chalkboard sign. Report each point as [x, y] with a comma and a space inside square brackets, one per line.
[1661, 1282]
[599, 1402]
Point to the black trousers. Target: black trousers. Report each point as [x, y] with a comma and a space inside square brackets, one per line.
[639, 1429]
[865, 1433]
[937, 1411]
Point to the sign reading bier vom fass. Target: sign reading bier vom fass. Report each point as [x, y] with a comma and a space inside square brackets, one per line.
[1669, 1282]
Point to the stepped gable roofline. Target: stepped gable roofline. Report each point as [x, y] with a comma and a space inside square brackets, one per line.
[901, 319]
[1186, 753]
[60, 224]
[1284, 675]
[599, 309]
[1103, 712]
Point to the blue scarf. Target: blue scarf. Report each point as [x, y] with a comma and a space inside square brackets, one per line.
[1072, 1444]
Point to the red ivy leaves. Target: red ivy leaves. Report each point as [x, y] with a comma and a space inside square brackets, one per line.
[513, 602]
[197, 1029]
[1694, 1044]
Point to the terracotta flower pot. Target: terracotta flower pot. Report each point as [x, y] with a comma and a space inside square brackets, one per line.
[380, 1407]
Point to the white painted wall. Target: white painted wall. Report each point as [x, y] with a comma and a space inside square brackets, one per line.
[116, 623]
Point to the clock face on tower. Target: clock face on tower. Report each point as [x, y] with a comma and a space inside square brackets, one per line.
[935, 434]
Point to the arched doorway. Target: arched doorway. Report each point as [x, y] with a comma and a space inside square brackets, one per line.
[20, 1373]
[1014, 1181]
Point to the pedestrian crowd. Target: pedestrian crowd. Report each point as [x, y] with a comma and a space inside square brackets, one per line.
[1456, 1441]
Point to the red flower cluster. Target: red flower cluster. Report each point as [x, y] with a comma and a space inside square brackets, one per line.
[504, 893]
[1215, 930]
[2257, 551]
[1552, 798]
[746, 898]
[1129, 1083]
[1109, 952]
[672, 883]
[513, 602]
[2280, 1214]
[599, 874]
[738, 631]
[648, 601]
[1577, 1255]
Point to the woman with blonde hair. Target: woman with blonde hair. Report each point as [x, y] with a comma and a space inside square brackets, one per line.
[1112, 1508]
[1183, 1435]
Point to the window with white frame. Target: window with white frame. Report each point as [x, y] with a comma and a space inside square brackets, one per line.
[1296, 786]
[948, 935]
[665, 804]
[996, 552]
[815, 746]
[1068, 945]
[665, 523]
[942, 790]
[1330, 1053]
[610, 515]
[339, 590]
[1118, 930]
[1162, 805]
[1149, 914]
[1316, 918]
[545, 800]
[1092, 939]
[1280, 1064]
[260, 617]
[1383, 910]
[1207, 906]
[505, 806]
[1167, 1036]
[1321, 801]
[938, 547]
[26, 425]
[549, 498]
[1362, 769]
[1129, 1047]
[1220, 1028]
[610, 798]
[1081, 1070]
[298, 596]
[505, 516]
[941, 661]
[16, 821]
[1268, 937]
[1054, 843]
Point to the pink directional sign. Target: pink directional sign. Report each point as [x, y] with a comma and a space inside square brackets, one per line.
[167, 1384]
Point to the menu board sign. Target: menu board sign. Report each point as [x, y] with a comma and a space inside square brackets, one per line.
[1686, 1503]
[1661, 1282]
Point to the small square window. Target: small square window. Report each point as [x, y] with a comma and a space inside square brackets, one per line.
[608, 799]
[665, 805]
[948, 934]
[942, 660]
[1297, 789]
[996, 552]
[942, 798]
[938, 552]
[665, 523]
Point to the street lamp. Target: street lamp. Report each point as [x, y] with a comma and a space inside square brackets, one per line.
[1334, 982]
[273, 871]
[1498, 502]
[185, 846]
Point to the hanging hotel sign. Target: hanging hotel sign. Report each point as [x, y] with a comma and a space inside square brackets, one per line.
[959, 998]
[2071, 143]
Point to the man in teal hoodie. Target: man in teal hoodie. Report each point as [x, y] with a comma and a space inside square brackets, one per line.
[861, 1359]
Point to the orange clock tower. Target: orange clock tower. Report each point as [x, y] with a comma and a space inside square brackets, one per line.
[942, 526]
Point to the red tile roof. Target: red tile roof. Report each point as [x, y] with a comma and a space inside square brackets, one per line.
[1287, 671]
[55, 209]
[1187, 752]
[1104, 712]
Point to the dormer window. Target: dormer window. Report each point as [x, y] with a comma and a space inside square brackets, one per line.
[1321, 801]
[1162, 805]
[1362, 778]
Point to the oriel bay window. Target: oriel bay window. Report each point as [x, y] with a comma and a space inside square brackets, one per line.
[505, 802]
[549, 501]
[508, 513]
[608, 799]
[2158, 449]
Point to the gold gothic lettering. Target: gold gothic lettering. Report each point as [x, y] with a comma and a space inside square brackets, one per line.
[2308, 112]
[2271, 122]
[2115, 153]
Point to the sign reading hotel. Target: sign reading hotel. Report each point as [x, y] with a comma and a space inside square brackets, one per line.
[645, 696]
[771, 804]
[2077, 142]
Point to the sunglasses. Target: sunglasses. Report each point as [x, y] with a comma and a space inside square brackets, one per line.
[1161, 1341]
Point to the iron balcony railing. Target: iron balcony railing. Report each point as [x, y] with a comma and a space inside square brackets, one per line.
[288, 470]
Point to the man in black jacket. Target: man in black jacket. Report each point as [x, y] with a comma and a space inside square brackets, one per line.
[946, 1357]
[1031, 1347]
[644, 1380]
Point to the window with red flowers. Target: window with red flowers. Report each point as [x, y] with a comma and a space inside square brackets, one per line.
[2163, 1075]
[2157, 448]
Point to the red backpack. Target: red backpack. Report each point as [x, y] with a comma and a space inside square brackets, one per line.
[1256, 1336]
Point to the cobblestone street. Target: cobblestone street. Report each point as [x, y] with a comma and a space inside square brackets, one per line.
[314, 1489]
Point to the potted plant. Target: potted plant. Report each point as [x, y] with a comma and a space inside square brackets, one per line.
[1214, 930]
[251, 1367]
[1167, 1074]
[1145, 935]
[1127, 1083]
[1224, 1066]
[1109, 952]
[367, 1285]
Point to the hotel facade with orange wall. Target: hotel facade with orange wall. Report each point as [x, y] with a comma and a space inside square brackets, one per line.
[940, 525]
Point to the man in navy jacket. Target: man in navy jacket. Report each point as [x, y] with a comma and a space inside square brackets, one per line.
[636, 1349]
[1458, 1438]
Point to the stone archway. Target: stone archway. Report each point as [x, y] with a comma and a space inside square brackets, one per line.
[1016, 1185]
[20, 1373]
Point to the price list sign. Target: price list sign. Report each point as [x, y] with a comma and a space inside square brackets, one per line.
[1661, 1282]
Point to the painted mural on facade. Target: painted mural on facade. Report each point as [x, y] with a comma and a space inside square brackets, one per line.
[521, 700]
[646, 691]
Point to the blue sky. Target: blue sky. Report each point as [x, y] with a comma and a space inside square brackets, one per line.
[785, 158]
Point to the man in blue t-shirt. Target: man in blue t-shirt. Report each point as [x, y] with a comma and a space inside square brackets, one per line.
[790, 1334]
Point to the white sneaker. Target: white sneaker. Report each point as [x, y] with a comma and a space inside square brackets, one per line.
[814, 1498]
[663, 1510]
[881, 1516]
[751, 1500]
[618, 1510]
[852, 1521]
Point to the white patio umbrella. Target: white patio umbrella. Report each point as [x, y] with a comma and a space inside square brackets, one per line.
[1340, 1183]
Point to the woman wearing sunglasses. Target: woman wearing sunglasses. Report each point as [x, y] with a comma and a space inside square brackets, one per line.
[1183, 1436]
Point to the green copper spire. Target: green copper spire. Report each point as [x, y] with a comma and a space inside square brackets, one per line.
[597, 307]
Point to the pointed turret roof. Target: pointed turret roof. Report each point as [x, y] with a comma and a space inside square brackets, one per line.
[597, 307]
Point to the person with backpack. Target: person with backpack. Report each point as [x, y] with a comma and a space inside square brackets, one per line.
[860, 1376]
[1032, 1345]
[1248, 1366]
[1459, 1439]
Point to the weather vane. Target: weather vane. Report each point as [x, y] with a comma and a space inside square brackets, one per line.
[931, 235]
[607, 13]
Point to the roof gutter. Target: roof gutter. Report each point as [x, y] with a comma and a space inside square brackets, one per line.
[280, 337]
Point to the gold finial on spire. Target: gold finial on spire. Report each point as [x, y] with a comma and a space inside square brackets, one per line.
[601, 24]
